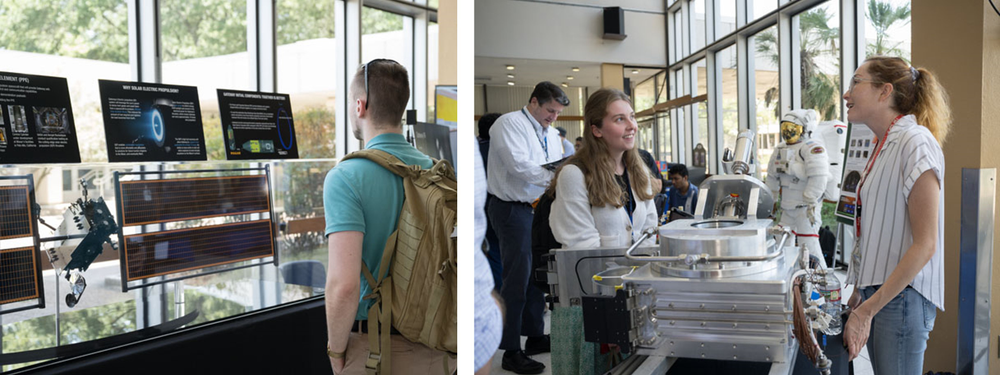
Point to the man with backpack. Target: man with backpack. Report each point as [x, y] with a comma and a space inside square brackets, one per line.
[364, 197]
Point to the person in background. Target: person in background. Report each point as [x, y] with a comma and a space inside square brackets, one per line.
[659, 184]
[493, 252]
[657, 177]
[568, 148]
[682, 195]
[520, 143]
[579, 143]
[488, 316]
[897, 267]
[603, 198]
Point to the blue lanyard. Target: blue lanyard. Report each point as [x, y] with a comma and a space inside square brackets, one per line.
[545, 144]
[630, 205]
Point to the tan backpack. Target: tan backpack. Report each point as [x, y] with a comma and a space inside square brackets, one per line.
[422, 289]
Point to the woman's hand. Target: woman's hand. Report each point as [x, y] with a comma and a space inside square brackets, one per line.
[857, 329]
[855, 299]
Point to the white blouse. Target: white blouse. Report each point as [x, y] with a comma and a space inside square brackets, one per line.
[576, 224]
[886, 234]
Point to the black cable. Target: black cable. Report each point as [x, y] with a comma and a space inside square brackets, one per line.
[994, 8]
[576, 268]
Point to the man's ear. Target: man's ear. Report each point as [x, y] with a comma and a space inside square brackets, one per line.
[359, 107]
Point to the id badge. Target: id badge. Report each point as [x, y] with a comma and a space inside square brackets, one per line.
[855, 268]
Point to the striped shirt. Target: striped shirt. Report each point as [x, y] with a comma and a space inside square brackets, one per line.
[518, 148]
[886, 233]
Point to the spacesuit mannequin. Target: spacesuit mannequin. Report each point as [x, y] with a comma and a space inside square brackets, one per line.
[800, 169]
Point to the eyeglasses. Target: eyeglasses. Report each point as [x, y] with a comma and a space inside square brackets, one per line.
[367, 92]
[857, 80]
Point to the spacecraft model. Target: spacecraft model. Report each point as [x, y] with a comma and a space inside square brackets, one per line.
[87, 225]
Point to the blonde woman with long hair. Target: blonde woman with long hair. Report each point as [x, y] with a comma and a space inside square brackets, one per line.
[603, 198]
[897, 267]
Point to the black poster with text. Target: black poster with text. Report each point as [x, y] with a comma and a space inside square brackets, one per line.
[152, 122]
[257, 125]
[36, 120]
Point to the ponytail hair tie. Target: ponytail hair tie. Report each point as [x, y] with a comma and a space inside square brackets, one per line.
[914, 73]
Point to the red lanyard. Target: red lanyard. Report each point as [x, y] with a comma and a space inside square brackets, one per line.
[868, 168]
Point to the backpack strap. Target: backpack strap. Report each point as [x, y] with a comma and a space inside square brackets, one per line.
[380, 313]
[385, 160]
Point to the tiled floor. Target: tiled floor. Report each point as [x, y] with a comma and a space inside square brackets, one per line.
[862, 366]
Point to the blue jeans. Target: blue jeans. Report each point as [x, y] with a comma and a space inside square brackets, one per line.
[899, 332]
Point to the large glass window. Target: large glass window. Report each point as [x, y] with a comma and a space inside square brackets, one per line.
[819, 59]
[762, 7]
[767, 92]
[389, 36]
[644, 95]
[730, 104]
[727, 18]
[645, 136]
[83, 41]
[697, 24]
[887, 28]
[677, 84]
[665, 151]
[432, 68]
[699, 135]
[204, 44]
[661, 87]
[678, 36]
[306, 47]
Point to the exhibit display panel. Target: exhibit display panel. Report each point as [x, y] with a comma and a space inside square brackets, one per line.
[20, 260]
[252, 216]
[151, 122]
[36, 120]
[257, 125]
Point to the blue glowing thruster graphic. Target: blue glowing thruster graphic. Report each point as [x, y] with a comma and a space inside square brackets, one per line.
[291, 136]
[157, 125]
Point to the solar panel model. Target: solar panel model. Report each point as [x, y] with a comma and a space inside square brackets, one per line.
[216, 218]
[20, 258]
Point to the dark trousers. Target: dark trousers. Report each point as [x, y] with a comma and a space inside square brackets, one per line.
[493, 255]
[525, 302]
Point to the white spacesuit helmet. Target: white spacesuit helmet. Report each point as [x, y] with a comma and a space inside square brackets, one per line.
[798, 125]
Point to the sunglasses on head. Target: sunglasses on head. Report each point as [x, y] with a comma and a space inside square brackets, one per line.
[368, 93]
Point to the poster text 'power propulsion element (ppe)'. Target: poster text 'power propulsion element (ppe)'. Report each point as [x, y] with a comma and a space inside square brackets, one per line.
[36, 120]
[152, 122]
[257, 125]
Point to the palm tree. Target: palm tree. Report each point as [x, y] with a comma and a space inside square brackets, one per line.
[820, 90]
[882, 16]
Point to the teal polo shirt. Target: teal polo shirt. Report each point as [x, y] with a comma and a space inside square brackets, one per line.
[359, 195]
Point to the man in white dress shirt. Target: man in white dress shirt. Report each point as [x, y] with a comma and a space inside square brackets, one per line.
[520, 143]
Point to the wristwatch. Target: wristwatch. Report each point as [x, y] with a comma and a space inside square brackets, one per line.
[333, 354]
